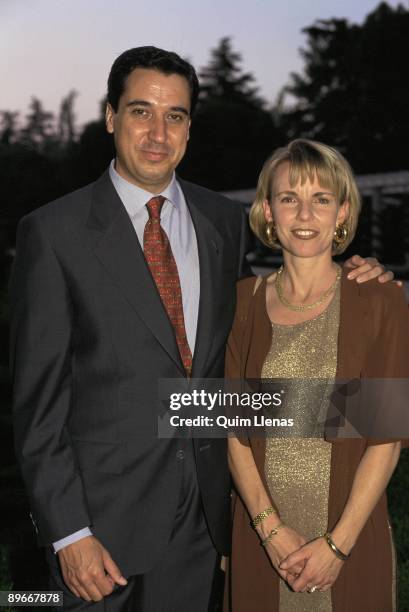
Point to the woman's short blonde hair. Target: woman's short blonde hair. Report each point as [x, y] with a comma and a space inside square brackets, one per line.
[307, 159]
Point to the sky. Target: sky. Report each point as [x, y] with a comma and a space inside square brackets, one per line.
[48, 47]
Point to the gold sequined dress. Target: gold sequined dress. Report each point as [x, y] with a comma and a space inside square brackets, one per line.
[297, 468]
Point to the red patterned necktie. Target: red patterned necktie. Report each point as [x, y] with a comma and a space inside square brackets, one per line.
[163, 268]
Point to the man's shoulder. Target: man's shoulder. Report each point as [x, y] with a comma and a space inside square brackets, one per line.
[69, 210]
[209, 197]
[67, 204]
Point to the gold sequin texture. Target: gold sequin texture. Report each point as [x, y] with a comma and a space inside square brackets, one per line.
[297, 469]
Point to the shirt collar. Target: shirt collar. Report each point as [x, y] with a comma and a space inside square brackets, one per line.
[134, 198]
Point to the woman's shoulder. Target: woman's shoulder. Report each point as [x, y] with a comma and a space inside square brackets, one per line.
[251, 284]
[389, 291]
[382, 294]
[245, 286]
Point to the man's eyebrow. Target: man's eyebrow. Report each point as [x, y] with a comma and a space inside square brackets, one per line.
[180, 109]
[146, 104]
[138, 103]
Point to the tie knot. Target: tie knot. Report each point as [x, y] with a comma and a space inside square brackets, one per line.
[154, 206]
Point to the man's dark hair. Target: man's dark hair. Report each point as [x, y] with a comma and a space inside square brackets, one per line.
[154, 59]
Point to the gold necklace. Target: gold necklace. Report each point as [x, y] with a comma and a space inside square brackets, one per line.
[303, 307]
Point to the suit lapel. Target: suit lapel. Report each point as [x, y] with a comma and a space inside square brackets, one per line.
[210, 249]
[119, 251]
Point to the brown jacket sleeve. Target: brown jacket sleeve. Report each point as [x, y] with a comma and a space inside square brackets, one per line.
[234, 350]
[388, 361]
[244, 291]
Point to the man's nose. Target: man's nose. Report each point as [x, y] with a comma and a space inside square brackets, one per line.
[157, 132]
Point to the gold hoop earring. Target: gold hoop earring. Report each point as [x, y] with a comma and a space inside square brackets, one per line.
[341, 234]
[271, 234]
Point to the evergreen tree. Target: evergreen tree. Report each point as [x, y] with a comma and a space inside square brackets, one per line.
[224, 78]
[96, 147]
[38, 131]
[8, 127]
[353, 91]
[232, 132]
[66, 120]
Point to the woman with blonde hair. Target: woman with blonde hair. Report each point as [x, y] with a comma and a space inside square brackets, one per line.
[310, 526]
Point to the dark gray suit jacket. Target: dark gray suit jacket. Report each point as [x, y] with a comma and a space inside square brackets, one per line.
[89, 340]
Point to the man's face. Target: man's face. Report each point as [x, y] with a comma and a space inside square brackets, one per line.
[150, 127]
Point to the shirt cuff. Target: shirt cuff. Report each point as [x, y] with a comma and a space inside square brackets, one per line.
[73, 537]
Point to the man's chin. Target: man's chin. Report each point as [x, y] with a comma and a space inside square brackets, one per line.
[153, 181]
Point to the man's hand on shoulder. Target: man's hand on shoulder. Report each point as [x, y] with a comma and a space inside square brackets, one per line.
[364, 269]
[89, 570]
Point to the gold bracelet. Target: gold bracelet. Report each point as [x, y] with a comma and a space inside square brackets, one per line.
[334, 547]
[272, 533]
[259, 518]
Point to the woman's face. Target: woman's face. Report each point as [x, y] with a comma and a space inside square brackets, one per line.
[305, 216]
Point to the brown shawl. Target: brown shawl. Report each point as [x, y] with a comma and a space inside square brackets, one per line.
[373, 341]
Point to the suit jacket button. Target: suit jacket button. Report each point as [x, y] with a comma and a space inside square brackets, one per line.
[180, 455]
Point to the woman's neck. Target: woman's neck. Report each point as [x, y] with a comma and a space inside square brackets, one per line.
[305, 278]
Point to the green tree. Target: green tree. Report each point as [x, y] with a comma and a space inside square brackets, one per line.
[353, 90]
[96, 148]
[232, 131]
[39, 160]
[38, 131]
[223, 77]
[66, 119]
[8, 127]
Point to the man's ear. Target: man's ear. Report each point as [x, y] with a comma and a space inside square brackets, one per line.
[109, 119]
[188, 129]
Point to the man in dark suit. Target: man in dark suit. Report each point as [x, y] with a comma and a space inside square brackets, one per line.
[116, 285]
